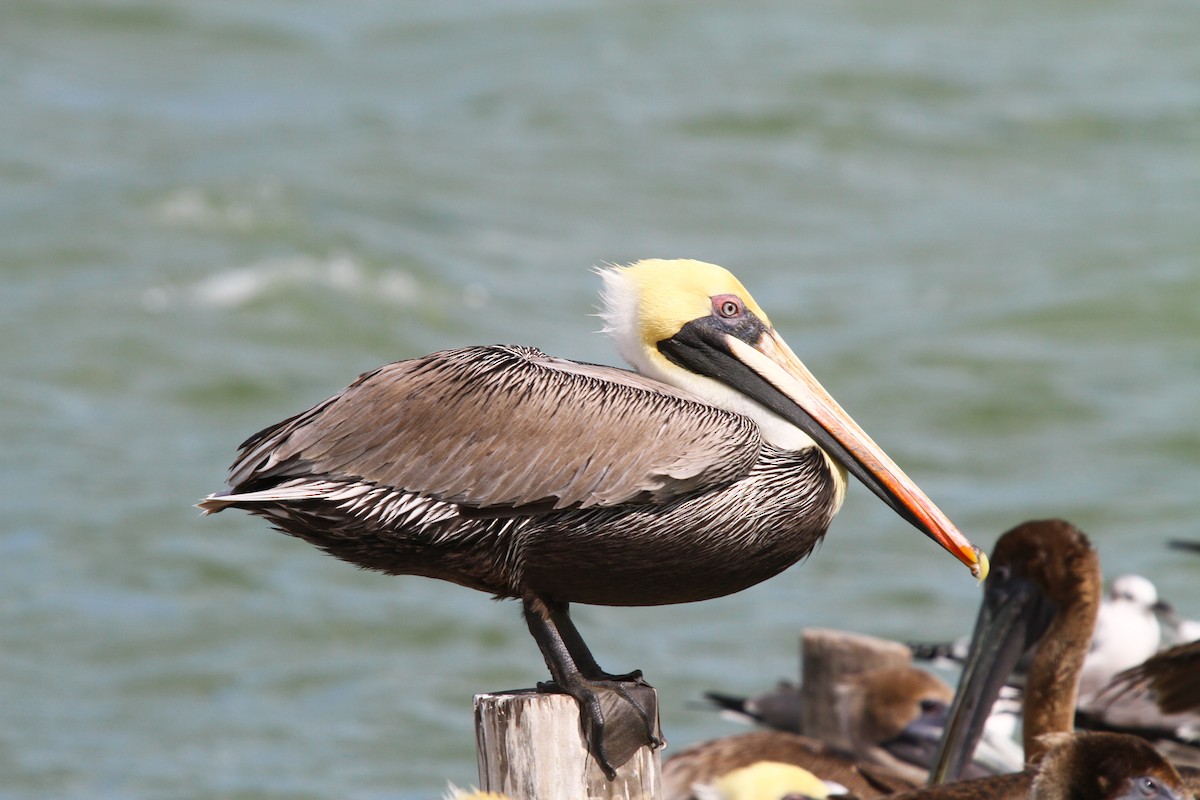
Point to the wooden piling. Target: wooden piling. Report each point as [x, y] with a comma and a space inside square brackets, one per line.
[530, 746]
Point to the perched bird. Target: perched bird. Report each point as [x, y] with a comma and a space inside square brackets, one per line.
[1127, 632]
[891, 717]
[1130, 625]
[715, 466]
[777, 709]
[1171, 680]
[1125, 646]
[1158, 699]
[888, 723]
[1044, 593]
[1172, 675]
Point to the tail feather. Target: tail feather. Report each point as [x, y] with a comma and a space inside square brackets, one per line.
[283, 493]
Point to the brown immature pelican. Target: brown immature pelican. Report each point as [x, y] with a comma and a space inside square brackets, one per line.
[1044, 596]
[1044, 593]
[515, 473]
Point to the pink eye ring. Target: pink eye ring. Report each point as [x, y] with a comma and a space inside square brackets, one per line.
[728, 306]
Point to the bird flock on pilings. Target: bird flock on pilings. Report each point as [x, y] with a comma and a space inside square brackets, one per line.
[1109, 693]
[715, 464]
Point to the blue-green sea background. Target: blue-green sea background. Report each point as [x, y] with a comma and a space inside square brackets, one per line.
[979, 224]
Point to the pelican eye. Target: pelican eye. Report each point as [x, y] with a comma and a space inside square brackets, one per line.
[728, 306]
[1148, 787]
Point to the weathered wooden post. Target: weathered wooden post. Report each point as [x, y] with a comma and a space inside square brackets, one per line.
[530, 747]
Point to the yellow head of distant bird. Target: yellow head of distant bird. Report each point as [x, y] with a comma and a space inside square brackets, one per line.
[768, 780]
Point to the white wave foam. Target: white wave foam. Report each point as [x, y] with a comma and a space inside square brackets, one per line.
[236, 287]
[195, 208]
[340, 273]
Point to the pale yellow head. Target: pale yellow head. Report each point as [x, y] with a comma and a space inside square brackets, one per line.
[650, 301]
[766, 780]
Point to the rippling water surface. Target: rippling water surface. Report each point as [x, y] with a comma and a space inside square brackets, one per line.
[976, 223]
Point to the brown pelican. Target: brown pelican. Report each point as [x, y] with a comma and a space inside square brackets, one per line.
[1127, 633]
[1044, 592]
[715, 466]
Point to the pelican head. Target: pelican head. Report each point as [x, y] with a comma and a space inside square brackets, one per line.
[694, 326]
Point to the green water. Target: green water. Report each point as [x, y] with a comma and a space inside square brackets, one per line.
[977, 223]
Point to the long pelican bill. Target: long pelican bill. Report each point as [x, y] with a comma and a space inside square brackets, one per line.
[1013, 616]
[800, 399]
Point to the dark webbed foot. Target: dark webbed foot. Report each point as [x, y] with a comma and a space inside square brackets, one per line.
[618, 717]
[618, 713]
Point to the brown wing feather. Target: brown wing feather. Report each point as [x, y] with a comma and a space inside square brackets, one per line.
[1173, 675]
[508, 426]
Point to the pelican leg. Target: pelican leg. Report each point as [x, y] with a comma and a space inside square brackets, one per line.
[560, 618]
[618, 717]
